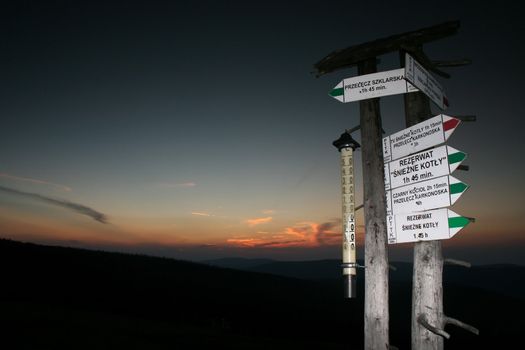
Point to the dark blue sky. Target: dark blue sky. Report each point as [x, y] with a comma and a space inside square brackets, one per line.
[198, 129]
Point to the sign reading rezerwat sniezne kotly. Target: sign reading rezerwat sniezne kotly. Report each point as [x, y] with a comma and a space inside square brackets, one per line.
[426, 134]
[366, 86]
[422, 166]
[424, 226]
[431, 194]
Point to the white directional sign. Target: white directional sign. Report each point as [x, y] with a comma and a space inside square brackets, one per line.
[426, 134]
[431, 194]
[372, 85]
[424, 81]
[422, 166]
[424, 226]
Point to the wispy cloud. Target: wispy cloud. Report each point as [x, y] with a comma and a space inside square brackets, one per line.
[200, 213]
[177, 184]
[258, 221]
[245, 242]
[78, 208]
[35, 181]
[261, 243]
[268, 211]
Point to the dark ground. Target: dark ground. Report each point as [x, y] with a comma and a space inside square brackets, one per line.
[58, 298]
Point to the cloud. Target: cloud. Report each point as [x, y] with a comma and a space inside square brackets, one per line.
[300, 230]
[268, 212]
[283, 244]
[261, 243]
[317, 234]
[177, 185]
[200, 213]
[258, 221]
[78, 208]
[245, 242]
[302, 234]
[36, 181]
[325, 234]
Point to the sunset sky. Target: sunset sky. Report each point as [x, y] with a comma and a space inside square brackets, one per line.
[196, 130]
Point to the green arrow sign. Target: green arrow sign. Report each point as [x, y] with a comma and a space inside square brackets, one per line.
[426, 165]
[436, 193]
[424, 226]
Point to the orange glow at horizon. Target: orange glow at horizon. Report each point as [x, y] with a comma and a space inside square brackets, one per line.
[193, 229]
[302, 234]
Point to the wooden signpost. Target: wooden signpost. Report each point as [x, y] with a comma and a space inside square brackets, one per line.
[402, 170]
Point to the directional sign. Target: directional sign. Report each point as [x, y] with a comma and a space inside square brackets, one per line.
[424, 81]
[424, 226]
[426, 134]
[431, 194]
[372, 85]
[422, 166]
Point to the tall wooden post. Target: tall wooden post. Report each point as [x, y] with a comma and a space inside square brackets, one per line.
[427, 279]
[427, 295]
[376, 252]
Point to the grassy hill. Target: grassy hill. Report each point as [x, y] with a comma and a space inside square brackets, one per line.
[61, 298]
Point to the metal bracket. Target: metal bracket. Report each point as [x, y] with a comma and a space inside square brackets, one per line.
[352, 266]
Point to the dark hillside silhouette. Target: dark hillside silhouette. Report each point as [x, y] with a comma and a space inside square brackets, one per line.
[54, 298]
[506, 279]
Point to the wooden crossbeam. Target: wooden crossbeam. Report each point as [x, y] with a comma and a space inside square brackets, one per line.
[409, 41]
